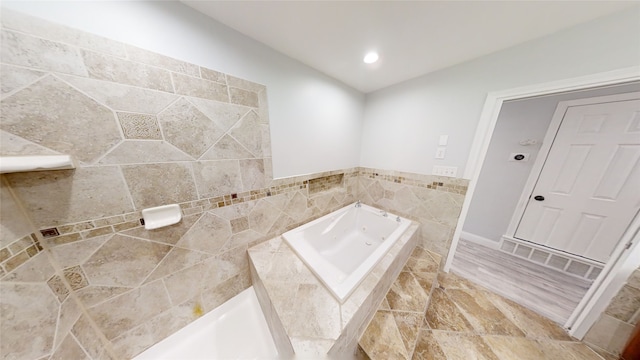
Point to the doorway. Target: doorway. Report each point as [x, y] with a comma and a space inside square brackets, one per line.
[497, 102]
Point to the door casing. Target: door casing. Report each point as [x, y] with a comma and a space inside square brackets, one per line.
[613, 276]
[547, 143]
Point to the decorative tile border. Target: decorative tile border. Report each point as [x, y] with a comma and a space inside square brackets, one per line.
[18, 252]
[68, 233]
[440, 183]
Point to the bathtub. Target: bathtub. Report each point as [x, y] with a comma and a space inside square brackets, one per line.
[236, 329]
[342, 247]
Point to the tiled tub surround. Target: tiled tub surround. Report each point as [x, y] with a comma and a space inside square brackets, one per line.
[303, 315]
[433, 201]
[614, 327]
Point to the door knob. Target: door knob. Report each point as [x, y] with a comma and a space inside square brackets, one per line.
[539, 198]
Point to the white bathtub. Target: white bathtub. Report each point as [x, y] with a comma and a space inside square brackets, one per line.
[236, 329]
[341, 248]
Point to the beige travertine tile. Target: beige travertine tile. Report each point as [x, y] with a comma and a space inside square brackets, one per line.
[506, 347]
[247, 237]
[144, 151]
[87, 337]
[609, 334]
[252, 174]
[564, 350]
[317, 313]
[177, 259]
[382, 339]
[56, 32]
[406, 294]
[28, 320]
[453, 281]
[26, 50]
[461, 346]
[14, 224]
[69, 314]
[634, 279]
[225, 115]
[159, 184]
[130, 343]
[35, 269]
[311, 348]
[11, 144]
[263, 216]
[212, 75]
[297, 207]
[139, 126]
[427, 347]
[533, 325]
[225, 290]
[227, 148]
[482, 314]
[208, 234]
[188, 129]
[245, 84]
[68, 255]
[243, 97]
[75, 277]
[105, 67]
[215, 178]
[191, 86]
[69, 349]
[248, 133]
[121, 97]
[13, 77]
[228, 264]
[124, 261]
[72, 195]
[239, 224]
[53, 114]
[57, 286]
[624, 304]
[168, 234]
[165, 62]
[188, 282]
[128, 310]
[409, 325]
[443, 314]
[95, 294]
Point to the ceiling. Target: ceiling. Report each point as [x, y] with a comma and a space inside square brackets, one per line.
[412, 37]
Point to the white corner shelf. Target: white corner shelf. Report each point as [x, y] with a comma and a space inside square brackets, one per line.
[25, 163]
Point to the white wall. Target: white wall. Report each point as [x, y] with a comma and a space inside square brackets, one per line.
[315, 120]
[502, 181]
[403, 122]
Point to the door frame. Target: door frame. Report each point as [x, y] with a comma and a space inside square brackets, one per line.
[604, 287]
[547, 144]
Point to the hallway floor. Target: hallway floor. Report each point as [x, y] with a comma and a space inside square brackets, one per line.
[462, 321]
[549, 292]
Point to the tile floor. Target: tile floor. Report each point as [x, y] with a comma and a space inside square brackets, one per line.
[453, 318]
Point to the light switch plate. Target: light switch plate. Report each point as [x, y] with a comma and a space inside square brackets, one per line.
[444, 139]
[440, 152]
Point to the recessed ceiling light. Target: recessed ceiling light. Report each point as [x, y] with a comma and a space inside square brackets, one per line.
[371, 57]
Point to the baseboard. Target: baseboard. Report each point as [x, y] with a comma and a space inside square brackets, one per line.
[480, 240]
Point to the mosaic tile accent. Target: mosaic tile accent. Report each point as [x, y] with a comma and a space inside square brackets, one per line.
[325, 183]
[139, 126]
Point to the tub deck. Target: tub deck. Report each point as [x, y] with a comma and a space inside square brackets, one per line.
[303, 316]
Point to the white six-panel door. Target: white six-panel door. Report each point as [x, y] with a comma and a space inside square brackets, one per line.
[589, 187]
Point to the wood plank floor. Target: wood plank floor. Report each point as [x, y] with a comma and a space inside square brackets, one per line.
[550, 293]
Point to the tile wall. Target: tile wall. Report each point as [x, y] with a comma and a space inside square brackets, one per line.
[614, 327]
[433, 201]
[80, 277]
